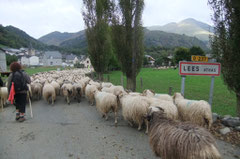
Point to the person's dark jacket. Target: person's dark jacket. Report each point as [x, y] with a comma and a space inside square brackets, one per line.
[1, 82]
[25, 75]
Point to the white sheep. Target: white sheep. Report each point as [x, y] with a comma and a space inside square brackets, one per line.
[56, 86]
[49, 93]
[151, 93]
[168, 106]
[196, 111]
[36, 90]
[89, 93]
[105, 102]
[134, 109]
[77, 92]
[67, 91]
[116, 90]
[3, 96]
[106, 84]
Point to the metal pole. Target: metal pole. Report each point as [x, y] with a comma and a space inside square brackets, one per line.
[122, 80]
[170, 91]
[211, 91]
[183, 85]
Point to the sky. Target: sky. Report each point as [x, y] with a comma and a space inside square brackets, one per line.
[40, 17]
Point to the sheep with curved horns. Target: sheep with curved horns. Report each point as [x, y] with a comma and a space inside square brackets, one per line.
[179, 140]
[105, 102]
[196, 111]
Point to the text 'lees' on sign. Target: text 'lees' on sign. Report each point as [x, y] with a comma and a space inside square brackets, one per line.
[199, 58]
[201, 69]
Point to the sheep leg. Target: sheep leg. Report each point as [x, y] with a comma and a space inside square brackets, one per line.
[106, 116]
[1, 104]
[130, 123]
[68, 100]
[116, 117]
[147, 124]
[52, 100]
[140, 125]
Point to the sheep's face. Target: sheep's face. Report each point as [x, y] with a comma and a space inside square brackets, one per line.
[151, 110]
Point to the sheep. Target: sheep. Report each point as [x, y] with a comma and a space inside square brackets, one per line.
[56, 86]
[106, 84]
[3, 96]
[67, 91]
[98, 85]
[116, 90]
[169, 107]
[36, 90]
[106, 102]
[49, 91]
[134, 108]
[198, 112]
[77, 92]
[171, 139]
[89, 93]
[151, 93]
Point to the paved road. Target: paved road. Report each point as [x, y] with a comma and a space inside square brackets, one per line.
[75, 131]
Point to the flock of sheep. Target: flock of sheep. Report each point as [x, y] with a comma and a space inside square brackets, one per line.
[175, 125]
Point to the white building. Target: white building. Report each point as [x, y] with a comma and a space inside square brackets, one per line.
[3, 65]
[34, 61]
[52, 58]
[25, 61]
[86, 62]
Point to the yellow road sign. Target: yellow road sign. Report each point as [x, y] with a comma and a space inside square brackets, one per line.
[199, 58]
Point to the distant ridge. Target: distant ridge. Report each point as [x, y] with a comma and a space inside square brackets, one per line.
[190, 27]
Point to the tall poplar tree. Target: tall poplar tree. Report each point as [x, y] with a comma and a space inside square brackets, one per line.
[97, 17]
[127, 35]
[226, 42]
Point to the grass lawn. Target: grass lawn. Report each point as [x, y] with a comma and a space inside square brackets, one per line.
[196, 87]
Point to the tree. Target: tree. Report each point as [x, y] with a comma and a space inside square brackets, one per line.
[128, 38]
[97, 16]
[11, 58]
[181, 54]
[196, 50]
[225, 43]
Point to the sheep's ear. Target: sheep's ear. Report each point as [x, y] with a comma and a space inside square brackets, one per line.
[152, 91]
[144, 91]
[161, 109]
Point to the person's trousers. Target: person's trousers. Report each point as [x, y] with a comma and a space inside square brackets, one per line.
[21, 101]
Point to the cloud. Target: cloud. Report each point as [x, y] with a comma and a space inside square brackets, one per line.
[40, 17]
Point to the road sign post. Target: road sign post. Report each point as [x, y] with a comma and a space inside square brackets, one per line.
[199, 69]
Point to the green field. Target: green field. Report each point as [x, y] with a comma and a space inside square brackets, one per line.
[196, 87]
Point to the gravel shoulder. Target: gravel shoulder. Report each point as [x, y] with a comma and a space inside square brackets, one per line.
[76, 131]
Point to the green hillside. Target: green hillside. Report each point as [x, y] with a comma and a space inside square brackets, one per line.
[15, 38]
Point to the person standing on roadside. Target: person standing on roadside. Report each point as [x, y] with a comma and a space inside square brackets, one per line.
[20, 80]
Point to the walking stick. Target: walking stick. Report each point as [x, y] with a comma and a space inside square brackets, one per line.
[30, 105]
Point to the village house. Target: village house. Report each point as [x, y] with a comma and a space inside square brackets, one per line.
[3, 64]
[72, 59]
[52, 58]
[86, 62]
[150, 59]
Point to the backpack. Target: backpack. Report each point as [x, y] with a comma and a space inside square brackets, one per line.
[19, 81]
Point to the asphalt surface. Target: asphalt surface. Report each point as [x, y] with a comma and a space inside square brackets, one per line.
[75, 131]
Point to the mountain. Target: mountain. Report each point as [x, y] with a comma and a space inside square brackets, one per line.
[56, 38]
[190, 27]
[13, 37]
[151, 38]
[170, 40]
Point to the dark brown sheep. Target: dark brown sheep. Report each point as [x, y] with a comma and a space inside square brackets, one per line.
[179, 140]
